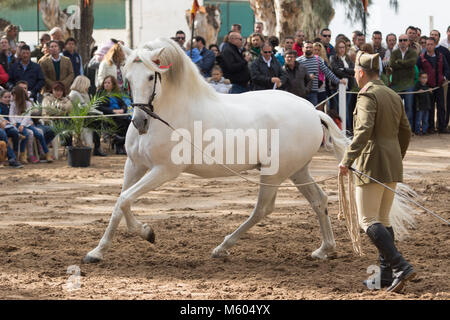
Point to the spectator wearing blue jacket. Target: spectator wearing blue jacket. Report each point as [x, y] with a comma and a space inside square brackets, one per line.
[75, 58]
[28, 71]
[208, 57]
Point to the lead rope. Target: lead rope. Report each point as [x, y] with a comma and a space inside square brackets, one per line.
[348, 211]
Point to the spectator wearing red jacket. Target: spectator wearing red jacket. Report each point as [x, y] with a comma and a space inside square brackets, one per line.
[4, 77]
[298, 45]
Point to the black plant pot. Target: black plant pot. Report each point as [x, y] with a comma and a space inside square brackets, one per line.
[79, 156]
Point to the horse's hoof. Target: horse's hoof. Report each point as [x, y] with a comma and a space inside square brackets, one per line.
[220, 253]
[91, 259]
[323, 255]
[150, 234]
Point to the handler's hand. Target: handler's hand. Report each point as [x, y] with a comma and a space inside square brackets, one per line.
[343, 170]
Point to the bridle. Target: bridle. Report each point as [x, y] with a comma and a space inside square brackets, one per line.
[148, 107]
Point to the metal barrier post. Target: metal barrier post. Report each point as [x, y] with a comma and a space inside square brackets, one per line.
[343, 105]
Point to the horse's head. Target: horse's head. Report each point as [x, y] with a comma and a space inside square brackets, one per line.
[141, 71]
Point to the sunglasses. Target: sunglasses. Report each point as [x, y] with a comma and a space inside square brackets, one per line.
[402, 40]
[181, 38]
[267, 51]
[326, 35]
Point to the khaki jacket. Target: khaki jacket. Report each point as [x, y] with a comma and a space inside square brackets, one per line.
[381, 134]
[66, 73]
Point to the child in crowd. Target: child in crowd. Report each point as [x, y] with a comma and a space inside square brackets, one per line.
[422, 104]
[218, 82]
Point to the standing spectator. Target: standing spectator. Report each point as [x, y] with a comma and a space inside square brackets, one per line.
[26, 70]
[180, 37]
[6, 56]
[359, 41]
[314, 65]
[112, 65]
[446, 41]
[298, 80]
[218, 82]
[254, 46]
[266, 72]
[435, 65]
[423, 42]
[325, 39]
[12, 32]
[422, 104]
[377, 38]
[288, 44]
[19, 46]
[259, 28]
[403, 61]
[236, 27]
[411, 32]
[56, 68]
[298, 45]
[37, 52]
[205, 65]
[234, 65]
[344, 68]
[215, 49]
[391, 42]
[56, 34]
[75, 58]
[436, 35]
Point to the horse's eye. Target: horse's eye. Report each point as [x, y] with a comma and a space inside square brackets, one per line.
[151, 78]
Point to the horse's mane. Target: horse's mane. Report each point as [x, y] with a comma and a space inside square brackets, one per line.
[183, 75]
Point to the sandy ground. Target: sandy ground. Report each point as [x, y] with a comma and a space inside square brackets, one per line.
[51, 215]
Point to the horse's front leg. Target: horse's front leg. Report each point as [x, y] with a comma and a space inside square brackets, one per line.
[151, 180]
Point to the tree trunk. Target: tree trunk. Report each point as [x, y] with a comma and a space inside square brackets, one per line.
[284, 17]
[83, 35]
[53, 16]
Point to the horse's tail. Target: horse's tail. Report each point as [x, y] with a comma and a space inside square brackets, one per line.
[402, 213]
[335, 138]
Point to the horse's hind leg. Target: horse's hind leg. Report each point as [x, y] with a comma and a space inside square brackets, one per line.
[319, 201]
[132, 174]
[264, 206]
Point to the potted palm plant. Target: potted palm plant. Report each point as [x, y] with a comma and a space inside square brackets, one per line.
[75, 127]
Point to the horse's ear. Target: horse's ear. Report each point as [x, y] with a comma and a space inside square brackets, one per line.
[126, 50]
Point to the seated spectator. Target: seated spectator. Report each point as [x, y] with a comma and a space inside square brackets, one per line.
[45, 51]
[215, 49]
[112, 65]
[79, 94]
[195, 55]
[7, 130]
[115, 105]
[29, 71]
[19, 106]
[4, 77]
[218, 82]
[56, 68]
[298, 80]
[12, 32]
[56, 102]
[266, 72]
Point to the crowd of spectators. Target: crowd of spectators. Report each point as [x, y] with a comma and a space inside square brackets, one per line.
[313, 68]
[54, 78]
[54, 75]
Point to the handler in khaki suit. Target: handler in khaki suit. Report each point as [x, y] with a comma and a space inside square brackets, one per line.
[381, 137]
[56, 68]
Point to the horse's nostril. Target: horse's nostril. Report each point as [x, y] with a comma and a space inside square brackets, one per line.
[145, 122]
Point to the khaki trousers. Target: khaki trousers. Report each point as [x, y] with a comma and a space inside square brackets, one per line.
[374, 202]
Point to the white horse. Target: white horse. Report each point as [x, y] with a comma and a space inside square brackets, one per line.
[182, 97]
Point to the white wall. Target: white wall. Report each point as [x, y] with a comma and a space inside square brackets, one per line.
[159, 18]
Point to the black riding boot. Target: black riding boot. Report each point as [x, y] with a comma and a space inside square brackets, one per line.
[384, 242]
[97, 146]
